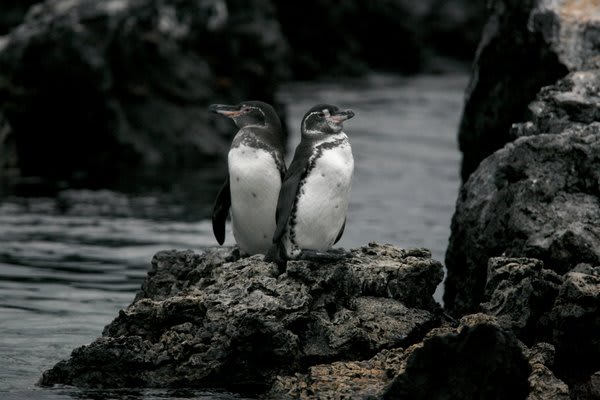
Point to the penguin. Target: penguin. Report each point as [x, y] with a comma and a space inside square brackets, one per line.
[312, 203]
[255, 172]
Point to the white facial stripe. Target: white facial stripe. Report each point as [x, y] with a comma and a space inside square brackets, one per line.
[326, 112]
[306, 119]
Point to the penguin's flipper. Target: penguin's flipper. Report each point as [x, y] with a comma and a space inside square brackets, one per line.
[339, 236]
[289, 188]
[220, 211]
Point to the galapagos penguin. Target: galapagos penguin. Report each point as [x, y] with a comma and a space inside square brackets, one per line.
[256, 169]
[312, 204]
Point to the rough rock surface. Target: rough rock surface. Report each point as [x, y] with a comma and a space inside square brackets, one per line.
[575, 322]
[204, 320]
[572, 103]
[475, 363]
[526, 44]
[341, 380]
[538, 305]
[543, 384]
[464, 362]
[537, 197]
[95, 90]
[520, 293]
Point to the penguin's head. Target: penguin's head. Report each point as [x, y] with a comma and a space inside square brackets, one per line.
[324, 119]
[247, 113]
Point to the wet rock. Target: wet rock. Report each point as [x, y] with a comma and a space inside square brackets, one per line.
[543, 384]
[477, 362]
[575, 322]
[464, 362]
[99, 90]
[204, 320]
[571, 103]
[525, 45]
[539, 305]
[520, 293]
[341, 380]
[537, 197]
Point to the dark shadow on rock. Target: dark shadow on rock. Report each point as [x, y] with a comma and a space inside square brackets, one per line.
[480, 362]
[538, 305]
[511, 66]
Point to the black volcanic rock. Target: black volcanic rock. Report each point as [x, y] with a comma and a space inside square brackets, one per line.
[520, 293]
[575, 322]
[543, 384]
[98, 90]
[538, 305]
[525, 45]
[479, 362]
[475, 359]
[537, 197]
[204, 320]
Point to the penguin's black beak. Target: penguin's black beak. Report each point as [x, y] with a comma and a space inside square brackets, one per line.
[224, 109]
[341, 116]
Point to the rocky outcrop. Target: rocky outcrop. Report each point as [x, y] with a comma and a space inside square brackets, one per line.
[537, 197]
[364, 327]
[525, 45]
[474, 363]
[538, 305]
[543, 384]
[342, 380]
[520, 293]
[99, 90]
[525, 242]
[476, 359]
[205, 320]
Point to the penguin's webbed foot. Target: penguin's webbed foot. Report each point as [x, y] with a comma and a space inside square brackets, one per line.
[341, 251]
[332, 255]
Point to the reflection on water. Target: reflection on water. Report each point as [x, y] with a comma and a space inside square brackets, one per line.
[69, 263]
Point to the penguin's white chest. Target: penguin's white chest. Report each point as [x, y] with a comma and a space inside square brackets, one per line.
[323, 199]
[254, 181]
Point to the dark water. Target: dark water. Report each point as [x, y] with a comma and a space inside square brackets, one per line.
[69, 263]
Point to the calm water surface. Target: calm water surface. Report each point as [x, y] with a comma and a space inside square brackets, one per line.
[69, 263]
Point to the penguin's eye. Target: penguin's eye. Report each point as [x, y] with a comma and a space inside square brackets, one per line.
[321, 114]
